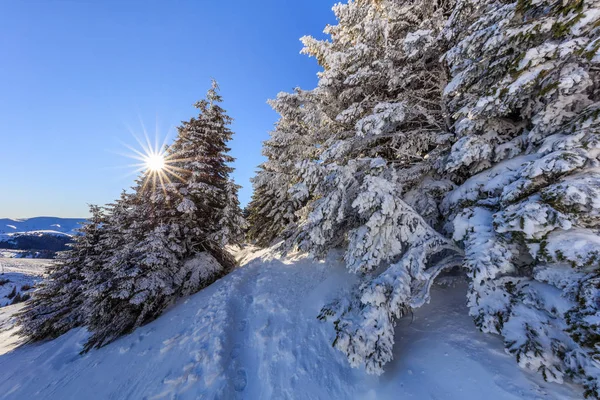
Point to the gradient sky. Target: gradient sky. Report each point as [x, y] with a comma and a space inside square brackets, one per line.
[77, 77]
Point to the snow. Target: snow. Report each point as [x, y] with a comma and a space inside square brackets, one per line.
[455, 83]
[580, 246]
[416, 40]
[490, 182]
[385, 118]
[25, 266]
[19, 274]
[254, 335]
[591, 16]
[20, 283]
[40, 232]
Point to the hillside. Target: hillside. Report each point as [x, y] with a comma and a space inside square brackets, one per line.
[62, 225]
[254, 334]
[39, 237]
[18, 276]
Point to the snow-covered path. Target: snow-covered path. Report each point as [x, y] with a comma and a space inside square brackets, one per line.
[254, 335]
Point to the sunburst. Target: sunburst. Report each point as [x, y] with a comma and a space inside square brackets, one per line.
[155, 162]
[158, 167]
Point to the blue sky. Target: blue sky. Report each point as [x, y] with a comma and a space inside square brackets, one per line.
[77, 77]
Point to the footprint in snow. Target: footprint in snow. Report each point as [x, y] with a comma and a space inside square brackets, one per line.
[235, 351]
[240, 381]
[243, 324]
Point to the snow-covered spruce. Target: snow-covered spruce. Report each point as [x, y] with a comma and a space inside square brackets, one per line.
[56, 305]
[518, 189]
[363, 148]
[525, 101]
[362, 108]
[278, 190]
[170, 235]
[150, 247]
[199, 160]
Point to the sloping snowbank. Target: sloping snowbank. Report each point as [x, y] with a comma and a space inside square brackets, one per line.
[254, 335]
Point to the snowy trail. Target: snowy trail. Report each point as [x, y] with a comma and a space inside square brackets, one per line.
[289, 348]
[254, 335]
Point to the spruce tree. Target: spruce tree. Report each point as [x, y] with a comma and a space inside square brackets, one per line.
[200, 162]
[470, 120]
[526, 104]
[56, 305]
[233, 223]
[278, 188]
[135, 282]
[169, 236]
[374, 130]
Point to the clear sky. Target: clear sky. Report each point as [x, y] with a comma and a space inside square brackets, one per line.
[76, 77]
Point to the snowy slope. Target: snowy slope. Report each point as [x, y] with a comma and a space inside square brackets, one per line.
[63, 225]
[12, 236]
[254, 335]
[40, 236]
[18, 277]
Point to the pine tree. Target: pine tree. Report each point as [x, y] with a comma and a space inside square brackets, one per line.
[56, 305]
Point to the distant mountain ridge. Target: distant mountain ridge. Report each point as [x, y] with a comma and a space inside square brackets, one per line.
[63, 225]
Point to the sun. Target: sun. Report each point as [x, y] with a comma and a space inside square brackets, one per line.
[158, 167]
[155, 162]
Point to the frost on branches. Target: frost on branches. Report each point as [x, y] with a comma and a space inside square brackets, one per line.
[525, 161]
